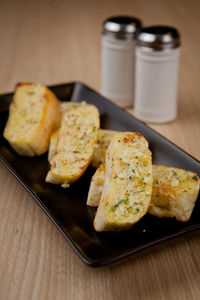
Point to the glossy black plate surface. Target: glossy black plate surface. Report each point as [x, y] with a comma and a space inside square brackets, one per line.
[67, 207]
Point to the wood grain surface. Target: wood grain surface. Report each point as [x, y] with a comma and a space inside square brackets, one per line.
[59, 41]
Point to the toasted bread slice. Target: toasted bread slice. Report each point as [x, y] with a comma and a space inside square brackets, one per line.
[33, 115]
[174, 193]
[76, 143]
[64, 107]
[96, 186]
[104, 139]
[128, 183]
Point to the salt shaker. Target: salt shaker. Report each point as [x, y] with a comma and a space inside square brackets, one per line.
[118, 59]
[157, 61]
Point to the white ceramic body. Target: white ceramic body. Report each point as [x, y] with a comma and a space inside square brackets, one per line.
[117, 70]
[156, 84]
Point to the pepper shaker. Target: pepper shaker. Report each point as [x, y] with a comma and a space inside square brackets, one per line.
[157, 62]
[118, 59]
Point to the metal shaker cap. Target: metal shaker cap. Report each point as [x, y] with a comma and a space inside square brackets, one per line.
[159, 38]
[122, 27]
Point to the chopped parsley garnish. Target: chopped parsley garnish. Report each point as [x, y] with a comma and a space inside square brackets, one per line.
[120, 201]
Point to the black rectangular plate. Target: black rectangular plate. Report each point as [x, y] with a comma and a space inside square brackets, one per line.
[67, 207]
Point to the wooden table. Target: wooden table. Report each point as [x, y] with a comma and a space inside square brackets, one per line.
[59, 41]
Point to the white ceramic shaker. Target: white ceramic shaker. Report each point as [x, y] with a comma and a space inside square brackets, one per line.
[157, 64]
[118, 59]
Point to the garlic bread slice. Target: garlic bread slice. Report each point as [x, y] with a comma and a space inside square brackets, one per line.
[33, 115]
[128, 183]
[64, 107]
[76, 143]
[174, 193]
